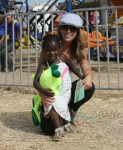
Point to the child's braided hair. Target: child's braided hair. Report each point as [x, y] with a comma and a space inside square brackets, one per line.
[48, 38]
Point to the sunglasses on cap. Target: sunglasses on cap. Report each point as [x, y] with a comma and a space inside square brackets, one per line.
[71, 28]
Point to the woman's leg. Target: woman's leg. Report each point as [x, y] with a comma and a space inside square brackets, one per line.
[9, 59]
[75, 106]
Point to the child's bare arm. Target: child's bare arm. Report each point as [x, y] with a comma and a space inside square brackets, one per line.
[37, 85]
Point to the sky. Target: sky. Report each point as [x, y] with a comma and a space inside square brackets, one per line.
[38, 2]
[31, 2]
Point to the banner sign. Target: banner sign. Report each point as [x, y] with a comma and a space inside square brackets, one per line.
[112, 50]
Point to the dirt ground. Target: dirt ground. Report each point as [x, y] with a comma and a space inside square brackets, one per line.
[102, 127]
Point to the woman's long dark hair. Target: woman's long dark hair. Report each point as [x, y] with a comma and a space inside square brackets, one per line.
[77, 46]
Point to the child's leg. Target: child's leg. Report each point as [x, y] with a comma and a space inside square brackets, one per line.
[56, 119]
[58, 124]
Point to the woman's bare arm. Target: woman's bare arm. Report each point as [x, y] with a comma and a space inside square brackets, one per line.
[72, 67]
[88, 73]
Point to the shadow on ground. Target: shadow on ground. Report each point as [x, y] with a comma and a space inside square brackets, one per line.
[19, 121]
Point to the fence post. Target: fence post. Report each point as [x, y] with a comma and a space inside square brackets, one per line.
[68, 5]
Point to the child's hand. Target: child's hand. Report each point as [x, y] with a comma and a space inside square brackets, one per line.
[47, 100]
[48, 92]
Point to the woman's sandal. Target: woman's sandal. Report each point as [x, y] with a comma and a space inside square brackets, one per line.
[59, 133]
[76, 124]
[78, 121]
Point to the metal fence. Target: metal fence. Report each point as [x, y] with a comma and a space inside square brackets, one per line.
[104, 57]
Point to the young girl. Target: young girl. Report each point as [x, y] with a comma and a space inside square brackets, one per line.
[58, 112]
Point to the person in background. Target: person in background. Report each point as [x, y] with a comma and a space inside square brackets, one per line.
[10, 42]
[2, 27]
[2, 32]
[109, 33]
[91, 27]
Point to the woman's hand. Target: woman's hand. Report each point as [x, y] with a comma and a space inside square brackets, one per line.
[86, 69]
[87, 81]
[48, 97]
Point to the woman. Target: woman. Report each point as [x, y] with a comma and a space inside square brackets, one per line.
[72, 46]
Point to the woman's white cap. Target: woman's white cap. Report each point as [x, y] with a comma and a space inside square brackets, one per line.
[71, 19]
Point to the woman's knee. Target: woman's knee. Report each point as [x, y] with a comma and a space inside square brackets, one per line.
[89, 93]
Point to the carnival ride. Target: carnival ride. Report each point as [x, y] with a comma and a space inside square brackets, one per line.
[91, 40]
